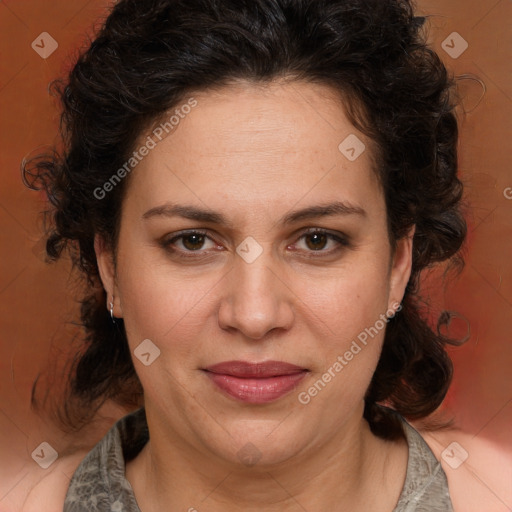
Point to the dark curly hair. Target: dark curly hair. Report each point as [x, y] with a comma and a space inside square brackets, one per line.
[150, 55]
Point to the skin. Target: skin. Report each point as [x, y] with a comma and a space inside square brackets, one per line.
[254, 154]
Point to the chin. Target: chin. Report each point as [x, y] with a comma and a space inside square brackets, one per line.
[261, 445]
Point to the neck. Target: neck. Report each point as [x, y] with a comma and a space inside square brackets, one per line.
[350, 468]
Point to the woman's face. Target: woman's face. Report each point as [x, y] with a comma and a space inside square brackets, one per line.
[292, 263]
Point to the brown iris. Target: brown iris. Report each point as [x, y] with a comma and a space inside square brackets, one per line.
[318, 241]
[193, 241]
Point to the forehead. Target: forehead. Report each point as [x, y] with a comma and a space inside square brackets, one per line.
[255, 144]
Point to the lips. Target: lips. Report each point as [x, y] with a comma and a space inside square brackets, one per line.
[256, 383]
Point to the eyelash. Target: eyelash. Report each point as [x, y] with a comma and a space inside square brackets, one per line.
[168, 243]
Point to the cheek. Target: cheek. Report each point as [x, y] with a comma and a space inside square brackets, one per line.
[348, 301]
[347, 344]
[161, 305]
[171, 311]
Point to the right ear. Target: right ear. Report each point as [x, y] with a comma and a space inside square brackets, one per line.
[107, 270]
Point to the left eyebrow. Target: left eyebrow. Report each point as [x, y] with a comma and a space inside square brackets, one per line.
[204, 215]
[327, 210]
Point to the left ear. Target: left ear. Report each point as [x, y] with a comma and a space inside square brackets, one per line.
[401, 266]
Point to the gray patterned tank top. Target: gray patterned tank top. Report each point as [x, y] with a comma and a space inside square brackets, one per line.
[99, 483]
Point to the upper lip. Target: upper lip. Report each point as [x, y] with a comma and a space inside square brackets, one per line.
[245, 369]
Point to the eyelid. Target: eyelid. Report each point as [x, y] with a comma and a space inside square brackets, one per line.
[169, 240]
[341, 239]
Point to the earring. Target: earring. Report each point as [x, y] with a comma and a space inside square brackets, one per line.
[112, 309]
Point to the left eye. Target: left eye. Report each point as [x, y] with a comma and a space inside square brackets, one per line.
[317, 241]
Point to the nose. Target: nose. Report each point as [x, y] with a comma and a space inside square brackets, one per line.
[256, 298]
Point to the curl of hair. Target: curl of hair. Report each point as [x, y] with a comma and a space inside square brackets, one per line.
[149, 55]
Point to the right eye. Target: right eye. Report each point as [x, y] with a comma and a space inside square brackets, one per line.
[192, 241]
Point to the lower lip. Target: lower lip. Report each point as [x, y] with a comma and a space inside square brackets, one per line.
[256, 391]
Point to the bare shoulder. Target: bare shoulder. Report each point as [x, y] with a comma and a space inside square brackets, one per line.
[27, 487]
[45, 490]
[477, 469]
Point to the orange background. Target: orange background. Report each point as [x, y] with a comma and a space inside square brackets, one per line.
[37, 300]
